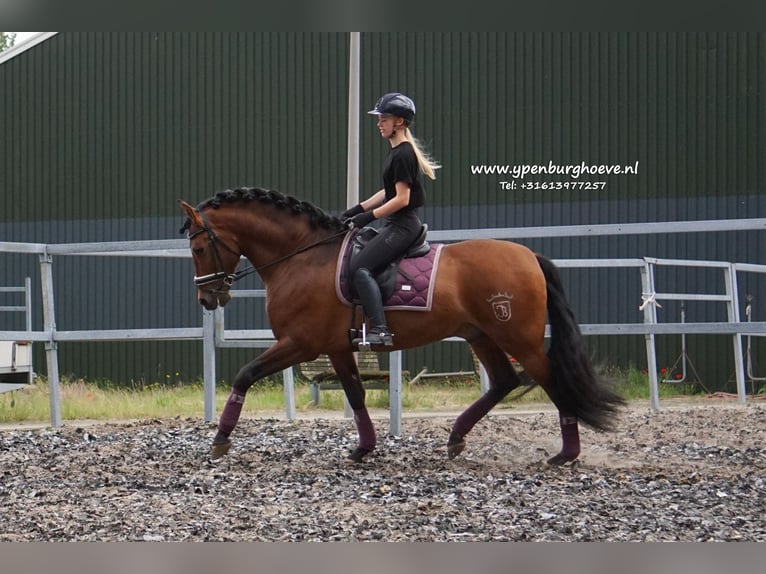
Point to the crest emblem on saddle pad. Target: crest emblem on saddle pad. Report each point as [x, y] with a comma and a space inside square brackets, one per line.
[501, 305]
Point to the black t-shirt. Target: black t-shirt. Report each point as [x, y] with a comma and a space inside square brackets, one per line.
[402, 165]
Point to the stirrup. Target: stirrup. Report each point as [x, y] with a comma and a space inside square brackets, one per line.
[373, 338]
[381, 338]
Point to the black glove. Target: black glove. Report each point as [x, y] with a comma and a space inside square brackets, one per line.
[360, 219]
[352, 211]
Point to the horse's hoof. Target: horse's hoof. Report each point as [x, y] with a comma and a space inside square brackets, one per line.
[561, 459]
[359, 454]
[218, 450]
[455, 445]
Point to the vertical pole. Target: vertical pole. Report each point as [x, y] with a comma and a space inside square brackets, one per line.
[749, 373]
[732, 304]
[483, 379]
[209, 368]
[28, 313]
[352, 166]
[395, 393]
[219, 325]
[348, 412]
[289, 385]
[352, 170]
[51, 347]
[650, 318]
[28, 301]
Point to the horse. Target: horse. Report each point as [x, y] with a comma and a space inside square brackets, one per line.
[495, 294]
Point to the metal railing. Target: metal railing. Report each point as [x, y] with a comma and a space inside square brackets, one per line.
[732, 326]
[51, 335]
[9, 372]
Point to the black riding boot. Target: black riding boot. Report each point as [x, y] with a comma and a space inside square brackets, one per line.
[368, 292]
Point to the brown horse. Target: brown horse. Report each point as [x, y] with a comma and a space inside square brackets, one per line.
[294, 247]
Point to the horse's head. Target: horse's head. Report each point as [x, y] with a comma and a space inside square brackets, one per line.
[215, 261]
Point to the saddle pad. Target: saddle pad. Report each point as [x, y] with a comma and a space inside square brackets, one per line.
[413, 295]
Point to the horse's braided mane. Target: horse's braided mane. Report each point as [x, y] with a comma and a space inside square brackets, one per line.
[318, 218]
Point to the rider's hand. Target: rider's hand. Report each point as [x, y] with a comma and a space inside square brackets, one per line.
[360, 219]
[352, 211]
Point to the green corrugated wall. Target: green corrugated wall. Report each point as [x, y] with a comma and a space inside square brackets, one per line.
[102, 132]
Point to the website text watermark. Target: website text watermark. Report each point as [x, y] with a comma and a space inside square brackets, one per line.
[520, 171]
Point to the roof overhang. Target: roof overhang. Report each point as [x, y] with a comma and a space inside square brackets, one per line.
[30, 42]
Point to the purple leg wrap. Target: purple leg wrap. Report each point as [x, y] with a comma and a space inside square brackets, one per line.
[466, 421]
[365, 429]
[570, 436]
[231, 411]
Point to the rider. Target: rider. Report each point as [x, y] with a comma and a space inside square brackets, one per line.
[396, 204]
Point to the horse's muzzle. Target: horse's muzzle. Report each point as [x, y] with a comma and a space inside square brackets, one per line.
[212, 300]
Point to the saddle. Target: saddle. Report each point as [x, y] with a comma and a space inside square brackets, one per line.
[386, 278]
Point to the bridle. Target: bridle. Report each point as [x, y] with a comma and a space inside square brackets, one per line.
[227, 279]
[224, 278]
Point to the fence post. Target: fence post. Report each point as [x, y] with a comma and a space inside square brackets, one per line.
[288, 382]
[208, 354]
[395, 393]
[648, 306]
[484, 381]
[51, 347]
[28, 313]
[732, 305]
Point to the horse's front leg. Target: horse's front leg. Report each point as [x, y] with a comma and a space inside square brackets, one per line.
[284, 353]
[346, 368]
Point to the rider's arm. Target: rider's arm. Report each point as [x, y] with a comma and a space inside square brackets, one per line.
[399, 201]
[375, 200]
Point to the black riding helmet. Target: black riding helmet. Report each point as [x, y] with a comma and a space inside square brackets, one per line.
[395, 104]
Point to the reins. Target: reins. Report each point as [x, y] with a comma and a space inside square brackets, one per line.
[251, 269]
[230, 278]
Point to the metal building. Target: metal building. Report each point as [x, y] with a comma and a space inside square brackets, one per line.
[101, 133]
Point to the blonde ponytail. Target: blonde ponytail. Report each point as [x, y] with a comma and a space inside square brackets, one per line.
[427, 164]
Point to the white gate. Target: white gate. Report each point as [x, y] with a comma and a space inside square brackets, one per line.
[16, 356]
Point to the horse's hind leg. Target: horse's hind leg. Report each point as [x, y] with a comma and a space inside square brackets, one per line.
[346, 368]
[503, 379]
[538, 366]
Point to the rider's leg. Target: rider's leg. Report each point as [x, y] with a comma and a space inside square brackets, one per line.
[369, 294]
[392, 241]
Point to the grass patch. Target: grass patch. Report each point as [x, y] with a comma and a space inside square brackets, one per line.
[103, 400]
[633, 384]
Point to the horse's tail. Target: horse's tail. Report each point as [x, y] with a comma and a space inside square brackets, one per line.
[576, 389]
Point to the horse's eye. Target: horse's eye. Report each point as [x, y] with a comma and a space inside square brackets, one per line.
[198, 251]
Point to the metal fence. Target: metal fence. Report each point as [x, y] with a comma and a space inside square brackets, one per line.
[16, 368]
[213, 334]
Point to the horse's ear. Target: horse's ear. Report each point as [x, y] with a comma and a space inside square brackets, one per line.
[191, 213]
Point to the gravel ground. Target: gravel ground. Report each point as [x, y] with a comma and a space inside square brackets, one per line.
[689, 472]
